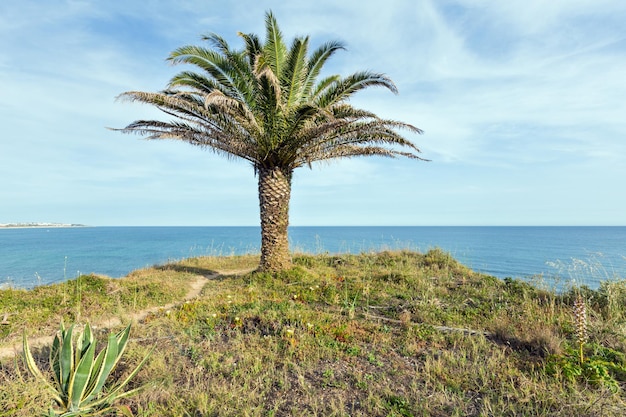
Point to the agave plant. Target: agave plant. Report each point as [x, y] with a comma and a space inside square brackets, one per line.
[79, 375]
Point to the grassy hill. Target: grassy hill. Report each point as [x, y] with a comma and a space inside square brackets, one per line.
[384, 334]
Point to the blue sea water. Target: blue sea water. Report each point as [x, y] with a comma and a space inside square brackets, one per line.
[34, 256]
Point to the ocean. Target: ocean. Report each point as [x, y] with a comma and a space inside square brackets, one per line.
[586, 255]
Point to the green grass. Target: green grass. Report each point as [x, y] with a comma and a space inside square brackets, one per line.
[345, 335]
[86, 298]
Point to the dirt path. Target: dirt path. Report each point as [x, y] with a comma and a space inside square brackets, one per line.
[195, 287]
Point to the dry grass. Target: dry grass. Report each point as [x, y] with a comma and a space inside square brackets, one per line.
[350, 335]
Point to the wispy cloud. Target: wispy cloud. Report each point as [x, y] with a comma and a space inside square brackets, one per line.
[516, 95]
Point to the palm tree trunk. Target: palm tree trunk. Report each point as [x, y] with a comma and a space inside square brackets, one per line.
[274, 195]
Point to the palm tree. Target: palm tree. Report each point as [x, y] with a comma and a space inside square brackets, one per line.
[267, 105]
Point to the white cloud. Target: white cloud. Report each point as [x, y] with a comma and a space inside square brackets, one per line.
[499, 87]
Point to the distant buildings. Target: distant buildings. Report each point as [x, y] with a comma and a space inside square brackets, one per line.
[38, 224]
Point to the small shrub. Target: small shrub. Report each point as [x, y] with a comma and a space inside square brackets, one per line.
[602, 366]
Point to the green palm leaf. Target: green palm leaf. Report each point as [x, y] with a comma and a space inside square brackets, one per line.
[274, 50]
[295, 72]
[341, 90]
[316, 63]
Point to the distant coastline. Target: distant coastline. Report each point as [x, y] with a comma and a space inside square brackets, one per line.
[37, 225]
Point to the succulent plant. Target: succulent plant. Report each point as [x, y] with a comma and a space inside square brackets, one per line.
[79, 375]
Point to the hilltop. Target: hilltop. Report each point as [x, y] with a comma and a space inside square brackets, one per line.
[380, 334]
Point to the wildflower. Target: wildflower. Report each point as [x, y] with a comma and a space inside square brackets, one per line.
[580, 319]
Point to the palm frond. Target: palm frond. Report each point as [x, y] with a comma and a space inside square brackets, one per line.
[267, 104]
[316, 142]
[341, 90]
[295, 72]
[346, 111]
[274, 50]
[253, 47]
[322, 86]
[231, 143]
[214, 64]
[218, 43]
[316, 63]
[349, 151]
[233, 107]
[269, 91]
[196, 82]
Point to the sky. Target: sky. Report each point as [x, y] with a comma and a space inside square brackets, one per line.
[522, 103]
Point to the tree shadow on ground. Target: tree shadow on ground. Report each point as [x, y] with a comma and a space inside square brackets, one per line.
[537, 348]
[205, 272]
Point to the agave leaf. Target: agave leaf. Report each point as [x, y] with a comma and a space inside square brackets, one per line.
[130, 393]
[66, 359]
[132, 375]
[107, 361]
[85, 341]
[34, 369]
[30, 361]
[78, 350]
[122, 340]
[96, 373]
[54, 359]
[80, 376]
[124, 410]
[78, 413]
[90, 412]
[115, 394]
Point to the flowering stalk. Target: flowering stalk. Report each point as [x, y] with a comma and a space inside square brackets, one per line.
[580, 322]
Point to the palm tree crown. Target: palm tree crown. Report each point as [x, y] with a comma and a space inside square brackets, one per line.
[267, 104]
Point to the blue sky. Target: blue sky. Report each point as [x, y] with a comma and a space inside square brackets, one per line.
[523, 104]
